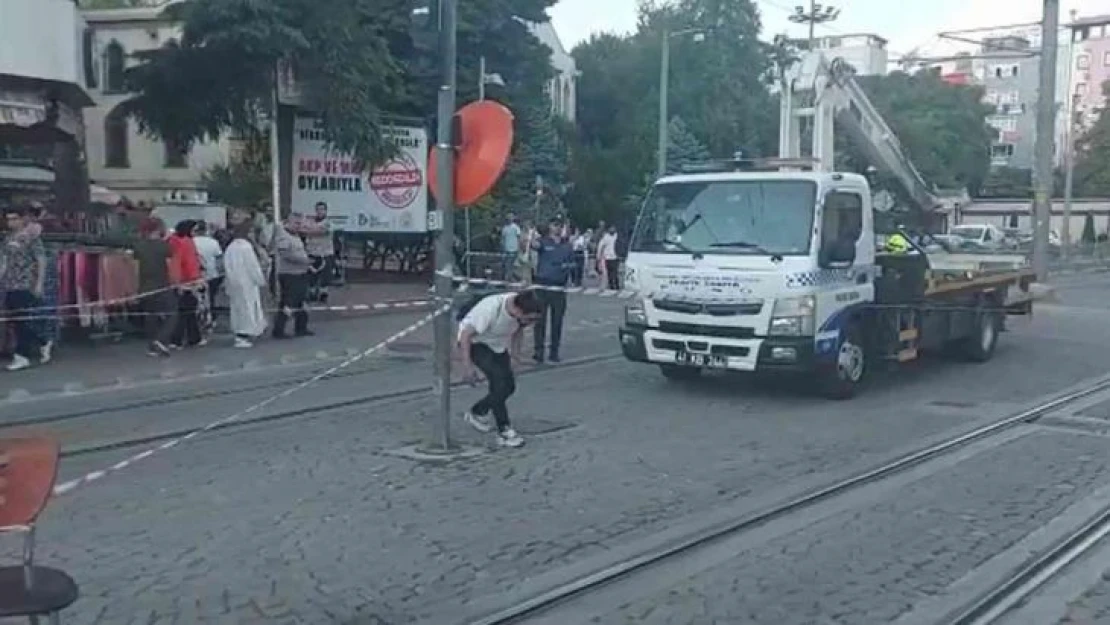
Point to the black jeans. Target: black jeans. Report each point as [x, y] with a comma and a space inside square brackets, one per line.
[498, 369]
[555, 304]
[160, 316]
[321, 277]
[294, 290]
[612, 270]
[579, 271]
[21, 303]
[214, 285]
[187, 330]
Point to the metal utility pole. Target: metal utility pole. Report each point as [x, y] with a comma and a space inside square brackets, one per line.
[1045, 140]
[1071, 104]
[664, 88]
[818, 14]
[664, 78]
[445, 207]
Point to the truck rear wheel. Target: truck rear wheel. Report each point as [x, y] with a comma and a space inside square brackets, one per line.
[680, 374]
[845, 378]
[980, 346]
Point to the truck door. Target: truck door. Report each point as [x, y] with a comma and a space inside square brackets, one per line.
[846, 257]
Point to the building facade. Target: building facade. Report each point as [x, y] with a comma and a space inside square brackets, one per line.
[43, 63]
[563, 86]
[866, 53]
[120, 157]
[1007, 68]
[1090, 67]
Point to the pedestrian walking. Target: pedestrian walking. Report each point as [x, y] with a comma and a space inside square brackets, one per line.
[293, 265]
[158, 303]
[245, 281]
[22, 279]
[554, 263]
[211, 262]
[189, 278]
[490, 334]
[320, 245]
[510, 247]
[579, 242]
[608, 262]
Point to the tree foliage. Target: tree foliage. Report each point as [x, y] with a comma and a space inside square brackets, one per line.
[716, 86]
[683, 147]
[942, 127]
[1092, 156]
[359, 61]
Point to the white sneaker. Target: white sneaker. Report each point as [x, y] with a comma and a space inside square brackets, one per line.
[243, 343]
[47, 352]
[509, 438]
[478, 422]
[18, 363]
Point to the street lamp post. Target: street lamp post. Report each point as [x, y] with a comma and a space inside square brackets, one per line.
[1071, 105]
[818, 14]
[664, 79]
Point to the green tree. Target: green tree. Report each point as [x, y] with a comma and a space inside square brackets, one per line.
[1008, 182]
[360, 62]
[246, 180]
[1092, 156]
[539, 154]
[942, 127]
[618, 94]
[683, 148]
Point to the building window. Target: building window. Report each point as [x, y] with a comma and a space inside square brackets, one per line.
[175, 156]
[1014, 70]
[1081, 89]
[116, 139]
[114, 65]
[88, 41]
[1106, 59]
[1083, 61]
[1002, 151]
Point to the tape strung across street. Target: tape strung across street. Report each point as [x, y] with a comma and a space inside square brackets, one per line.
[88, 478]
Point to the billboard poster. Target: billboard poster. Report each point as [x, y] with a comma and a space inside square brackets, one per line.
[391, 198]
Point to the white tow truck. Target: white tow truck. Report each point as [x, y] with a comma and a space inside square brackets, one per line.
[745, 269]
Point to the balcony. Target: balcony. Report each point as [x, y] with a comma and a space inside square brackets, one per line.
[41, 41]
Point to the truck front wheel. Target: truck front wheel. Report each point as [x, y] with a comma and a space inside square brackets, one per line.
[844, 378]
[680, 374]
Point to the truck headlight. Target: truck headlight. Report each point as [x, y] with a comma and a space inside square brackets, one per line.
[634, 314]
[793, 316]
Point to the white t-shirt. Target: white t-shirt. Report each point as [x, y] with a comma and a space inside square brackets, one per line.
[607, 247]
[491, 322]
[210, 254]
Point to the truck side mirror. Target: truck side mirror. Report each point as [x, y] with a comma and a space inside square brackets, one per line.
[838, 253]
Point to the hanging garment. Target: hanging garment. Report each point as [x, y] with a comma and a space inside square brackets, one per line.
[244, 283]
[49, 323]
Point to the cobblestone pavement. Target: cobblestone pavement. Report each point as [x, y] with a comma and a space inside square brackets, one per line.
[871, 565]
[309, 520]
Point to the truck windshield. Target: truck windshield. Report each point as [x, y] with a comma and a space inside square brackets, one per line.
[757, 217]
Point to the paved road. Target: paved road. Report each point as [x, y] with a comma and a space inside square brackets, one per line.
[311, 520]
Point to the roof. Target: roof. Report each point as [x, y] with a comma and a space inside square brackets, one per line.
[1090, 21]
[740, 176]
[133, 14]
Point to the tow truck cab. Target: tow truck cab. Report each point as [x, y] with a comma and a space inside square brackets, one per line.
[778, 272]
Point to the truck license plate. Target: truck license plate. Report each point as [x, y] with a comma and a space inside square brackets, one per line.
[701, 360]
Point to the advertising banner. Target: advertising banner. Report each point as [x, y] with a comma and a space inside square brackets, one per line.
[391, 198]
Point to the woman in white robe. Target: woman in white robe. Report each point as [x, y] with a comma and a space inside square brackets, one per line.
[244, 281]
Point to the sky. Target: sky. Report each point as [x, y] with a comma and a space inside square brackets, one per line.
[906, 25]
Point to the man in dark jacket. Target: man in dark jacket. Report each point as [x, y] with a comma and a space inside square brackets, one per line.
[554, 261]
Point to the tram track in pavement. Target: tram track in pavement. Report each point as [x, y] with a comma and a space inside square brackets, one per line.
[568, 600]
[1023, 582]
[371, 399]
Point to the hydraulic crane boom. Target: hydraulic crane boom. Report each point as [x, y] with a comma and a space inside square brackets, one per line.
[828, 93]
